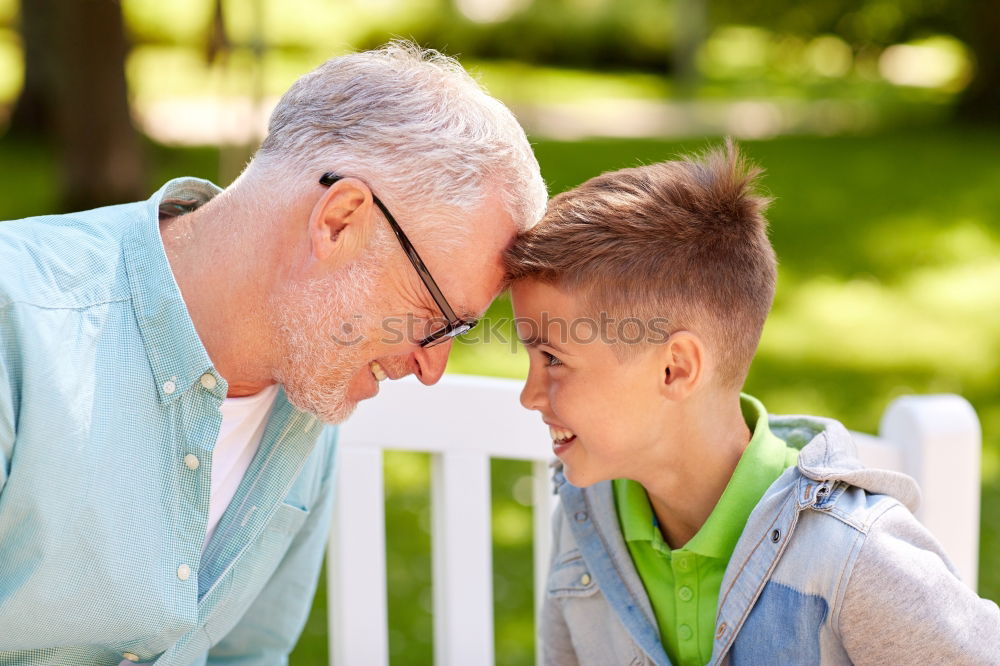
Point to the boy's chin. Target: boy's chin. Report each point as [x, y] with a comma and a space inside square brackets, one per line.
[581, 478]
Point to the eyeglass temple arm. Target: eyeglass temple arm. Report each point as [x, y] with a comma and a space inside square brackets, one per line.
[411, 252]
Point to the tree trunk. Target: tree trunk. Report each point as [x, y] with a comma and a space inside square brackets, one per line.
[981, 27]
[33, 115]
[75, 91]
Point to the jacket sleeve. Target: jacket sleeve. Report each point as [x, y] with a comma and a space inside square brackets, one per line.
[268, 631]
[904, 602]
[553, 632]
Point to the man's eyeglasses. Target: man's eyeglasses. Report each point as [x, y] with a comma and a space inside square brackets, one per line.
[455, 325]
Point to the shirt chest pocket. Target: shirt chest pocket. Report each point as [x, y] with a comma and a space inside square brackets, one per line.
[288, 519]
[597, 635]
[570, 577]
[243, 583]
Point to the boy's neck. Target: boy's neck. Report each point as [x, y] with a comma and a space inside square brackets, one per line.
[684, 491]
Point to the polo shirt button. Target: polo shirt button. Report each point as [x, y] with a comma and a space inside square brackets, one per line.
[685, 593]
[183, 572]
[169, 387]
[683, 564]
[684, 632]
[192, 462]
[208, 381]
[130, 656]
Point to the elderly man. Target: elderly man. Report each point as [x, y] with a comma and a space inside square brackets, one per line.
[165, 481]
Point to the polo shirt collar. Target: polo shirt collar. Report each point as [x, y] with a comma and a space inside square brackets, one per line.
[637, 519]
[176, 354]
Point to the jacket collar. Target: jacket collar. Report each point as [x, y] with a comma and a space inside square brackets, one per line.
[592, 518]
[827, 464]
[829, 454]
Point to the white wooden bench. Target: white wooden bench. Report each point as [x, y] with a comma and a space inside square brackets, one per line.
[463, 421]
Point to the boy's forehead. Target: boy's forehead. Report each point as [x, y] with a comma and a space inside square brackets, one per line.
[530, 298]
[546, 314]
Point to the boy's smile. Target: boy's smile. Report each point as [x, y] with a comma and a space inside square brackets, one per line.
[605, 416]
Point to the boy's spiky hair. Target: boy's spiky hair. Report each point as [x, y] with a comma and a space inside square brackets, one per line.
[685, 240]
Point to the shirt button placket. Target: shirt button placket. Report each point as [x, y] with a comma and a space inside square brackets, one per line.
[687, 606]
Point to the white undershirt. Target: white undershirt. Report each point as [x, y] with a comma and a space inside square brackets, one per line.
[243, 422]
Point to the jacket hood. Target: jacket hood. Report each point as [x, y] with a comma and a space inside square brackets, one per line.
[829, 453]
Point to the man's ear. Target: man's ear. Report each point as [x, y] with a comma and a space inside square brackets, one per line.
[341, 222]
[683, 362]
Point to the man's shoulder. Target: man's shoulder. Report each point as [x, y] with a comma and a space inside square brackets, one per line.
[65, 261]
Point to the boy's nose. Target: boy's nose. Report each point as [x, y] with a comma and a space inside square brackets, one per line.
[533, 393]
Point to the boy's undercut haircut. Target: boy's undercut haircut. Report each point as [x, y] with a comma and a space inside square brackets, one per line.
[682, 240]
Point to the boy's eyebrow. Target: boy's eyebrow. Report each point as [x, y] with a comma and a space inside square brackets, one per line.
[537, 340]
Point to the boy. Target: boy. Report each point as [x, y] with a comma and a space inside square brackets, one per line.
[693, 528]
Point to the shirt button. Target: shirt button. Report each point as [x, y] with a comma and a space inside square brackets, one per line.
[685, 593]
[192, 462]
[169, 387]
[130, 656]
[683, 564]
[684, 632]
[585, 579]
[208, 381]
[183, 572]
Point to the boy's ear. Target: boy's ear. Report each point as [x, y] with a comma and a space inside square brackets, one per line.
[683, 363]
[341, 222]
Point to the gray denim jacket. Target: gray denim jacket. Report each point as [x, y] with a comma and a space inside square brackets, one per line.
[831, 568]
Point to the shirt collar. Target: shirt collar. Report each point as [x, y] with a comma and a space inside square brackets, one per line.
[762, 462]
[176, 354]
[634, 511]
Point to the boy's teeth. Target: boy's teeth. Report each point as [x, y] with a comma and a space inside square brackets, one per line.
[378, 371]
[560, 434]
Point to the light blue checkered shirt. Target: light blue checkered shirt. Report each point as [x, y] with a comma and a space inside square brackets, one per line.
[101, 520]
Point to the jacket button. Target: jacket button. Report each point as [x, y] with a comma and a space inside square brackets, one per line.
[776, 536]
[130, 656]
[580, 516]
[721, 631]
[585, 579]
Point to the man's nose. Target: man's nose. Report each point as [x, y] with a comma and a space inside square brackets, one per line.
[431, 362]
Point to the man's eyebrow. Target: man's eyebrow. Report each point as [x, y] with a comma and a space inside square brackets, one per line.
[465, 312]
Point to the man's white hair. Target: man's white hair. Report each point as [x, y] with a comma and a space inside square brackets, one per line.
[414, 125]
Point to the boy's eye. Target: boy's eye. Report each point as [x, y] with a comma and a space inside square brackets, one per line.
[550, 360]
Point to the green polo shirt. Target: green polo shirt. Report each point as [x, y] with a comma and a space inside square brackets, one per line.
[683, 584]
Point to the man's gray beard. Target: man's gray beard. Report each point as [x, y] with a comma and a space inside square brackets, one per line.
[310, 320]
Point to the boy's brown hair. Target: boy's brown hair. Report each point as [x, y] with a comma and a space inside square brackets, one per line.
[683, 240]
